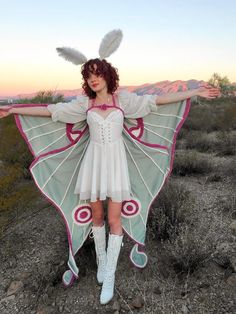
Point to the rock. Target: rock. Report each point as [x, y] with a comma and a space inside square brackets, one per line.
[164, 271]
[233, 263]
[223, 247]
[126, 307]
[11, 297]
[138, 302]
[233, 227]
[45, 298]
[222, 260]
[116, 306]
[46, 310]
[204, 285]
[12, 263]
[57, 240]
[15, 286]
[62, 263]
[184, 293]
[24, 275]
[21, 296]
[232, 280]
[184, 309]
[157, 290]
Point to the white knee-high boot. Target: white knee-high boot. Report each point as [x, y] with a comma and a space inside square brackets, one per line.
[100, 247]
[113, 251]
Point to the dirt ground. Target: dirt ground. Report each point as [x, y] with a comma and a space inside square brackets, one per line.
[34, 256]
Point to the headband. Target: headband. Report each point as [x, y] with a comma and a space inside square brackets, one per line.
[109, 44]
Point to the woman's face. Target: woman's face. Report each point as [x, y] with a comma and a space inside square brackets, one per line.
[96, 82]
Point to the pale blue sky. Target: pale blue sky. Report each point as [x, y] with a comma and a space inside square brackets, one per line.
[163, 40]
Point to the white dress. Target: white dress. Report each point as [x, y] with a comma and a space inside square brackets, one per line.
[104, 169]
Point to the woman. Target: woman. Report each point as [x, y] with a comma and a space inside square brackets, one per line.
[100, 84]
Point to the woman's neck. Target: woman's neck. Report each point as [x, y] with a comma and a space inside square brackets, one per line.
[103, 97]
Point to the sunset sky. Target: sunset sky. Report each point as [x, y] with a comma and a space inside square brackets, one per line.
[163, 40]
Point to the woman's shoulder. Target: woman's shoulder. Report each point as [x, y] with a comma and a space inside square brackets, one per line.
[123, 96]
[82, 100]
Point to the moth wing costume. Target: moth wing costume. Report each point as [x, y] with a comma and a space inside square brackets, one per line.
[59, 144]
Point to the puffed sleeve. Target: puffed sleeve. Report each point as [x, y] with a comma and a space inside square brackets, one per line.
[136, 106]
[70, 112]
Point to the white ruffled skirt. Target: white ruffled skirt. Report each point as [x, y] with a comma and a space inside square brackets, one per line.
[104, 173]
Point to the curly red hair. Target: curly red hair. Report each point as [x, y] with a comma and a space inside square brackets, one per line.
[105, 69]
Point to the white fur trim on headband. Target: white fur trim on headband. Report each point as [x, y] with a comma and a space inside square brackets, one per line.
[72, 55]
[110, 43]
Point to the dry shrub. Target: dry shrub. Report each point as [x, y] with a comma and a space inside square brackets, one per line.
[199, 140]
[13, 148]
[170, 210]
[16, 202]
[201, 117]
[195, 243]
[15, 195]
[223, 143]
[10, 175]
[212, 115]
[183, 132]
[191, 162]
[226, 120]
[189, 235]
[226, 145]
[227, 204]
[214, 177]
[229, 170]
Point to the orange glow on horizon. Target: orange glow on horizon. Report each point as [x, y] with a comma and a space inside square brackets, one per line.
[27, 83]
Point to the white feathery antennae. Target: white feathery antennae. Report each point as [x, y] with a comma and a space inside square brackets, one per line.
[72, 55]
[110, 43]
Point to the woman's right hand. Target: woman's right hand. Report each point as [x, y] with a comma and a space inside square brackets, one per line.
[4, 111]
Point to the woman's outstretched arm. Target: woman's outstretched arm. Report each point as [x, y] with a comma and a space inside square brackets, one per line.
[203, 91]
[31, 111]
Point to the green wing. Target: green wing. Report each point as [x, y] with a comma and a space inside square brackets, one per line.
[59, 149]
[150, 146]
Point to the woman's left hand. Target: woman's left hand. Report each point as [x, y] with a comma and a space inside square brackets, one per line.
[208, 91]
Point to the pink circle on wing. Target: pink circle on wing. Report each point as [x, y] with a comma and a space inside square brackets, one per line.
[130, 208]
[82, 215]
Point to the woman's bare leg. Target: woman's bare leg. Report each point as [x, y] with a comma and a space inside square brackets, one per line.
[97, 213]
[114, 217]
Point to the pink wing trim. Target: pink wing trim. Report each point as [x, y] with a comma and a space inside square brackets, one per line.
[81, 133]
